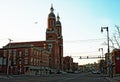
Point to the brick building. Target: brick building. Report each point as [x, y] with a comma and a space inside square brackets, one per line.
[115, 57]
[36, 57]
[24, 59]
[68, 64]
[75, 66]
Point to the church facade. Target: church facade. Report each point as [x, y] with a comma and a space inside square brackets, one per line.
[36, 57]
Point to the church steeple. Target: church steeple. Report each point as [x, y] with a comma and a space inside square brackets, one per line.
[52, 9]
[58, 23]
[58, 26]
[58, 17]
[51, 15]
[51, 19]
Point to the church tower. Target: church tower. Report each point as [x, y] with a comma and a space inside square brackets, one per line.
[60, 41]
[55, 41]
[51, 33]
[51, 19]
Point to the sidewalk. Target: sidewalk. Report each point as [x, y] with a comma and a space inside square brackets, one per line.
[114, 79]
[5, 77]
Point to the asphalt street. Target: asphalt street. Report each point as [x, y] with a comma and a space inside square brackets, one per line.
[83, 77]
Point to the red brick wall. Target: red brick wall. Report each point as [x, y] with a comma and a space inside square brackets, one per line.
[116, 53]
[34, 57]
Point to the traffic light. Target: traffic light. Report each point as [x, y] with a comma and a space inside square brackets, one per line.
[87, 57]
[80, 57]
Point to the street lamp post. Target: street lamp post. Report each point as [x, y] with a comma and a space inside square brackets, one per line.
[8, 60]
[101, 49]
[108, 57]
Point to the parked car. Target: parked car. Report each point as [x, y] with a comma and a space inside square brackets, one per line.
[95, 72]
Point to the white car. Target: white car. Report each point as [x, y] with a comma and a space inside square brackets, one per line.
[95, 72]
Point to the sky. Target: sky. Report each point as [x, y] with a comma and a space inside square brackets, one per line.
[81, 23]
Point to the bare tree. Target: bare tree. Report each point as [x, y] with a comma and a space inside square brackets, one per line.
[115, 40]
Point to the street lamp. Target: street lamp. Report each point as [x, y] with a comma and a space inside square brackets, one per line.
[101, 49]
[109, 68]
[8, 60]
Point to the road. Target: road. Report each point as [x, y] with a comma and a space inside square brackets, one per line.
[84, 77]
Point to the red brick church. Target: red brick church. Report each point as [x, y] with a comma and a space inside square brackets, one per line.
[36, 57]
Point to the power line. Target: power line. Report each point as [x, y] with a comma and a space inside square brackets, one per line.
[84, 52]
[86, 40]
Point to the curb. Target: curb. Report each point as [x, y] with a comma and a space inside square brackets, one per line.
[111, 79]
[5, 77]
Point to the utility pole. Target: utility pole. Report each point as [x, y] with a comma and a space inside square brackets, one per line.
[8, 59]
[108, 54]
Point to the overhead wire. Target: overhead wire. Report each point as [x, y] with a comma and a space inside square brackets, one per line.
[85, 40]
